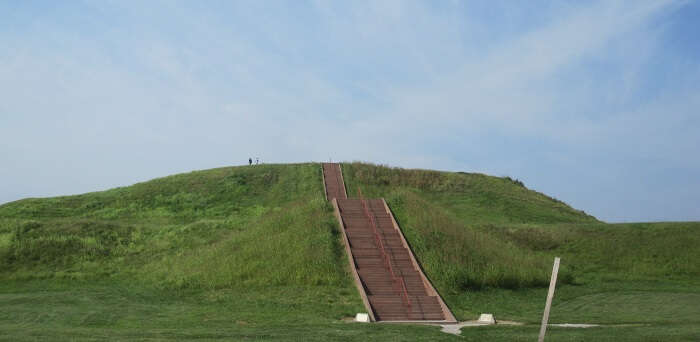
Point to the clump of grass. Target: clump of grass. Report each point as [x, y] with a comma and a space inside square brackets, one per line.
[516, 181]
[52, 250]
[59, 244]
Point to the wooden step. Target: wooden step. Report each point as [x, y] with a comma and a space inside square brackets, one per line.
[393, 308]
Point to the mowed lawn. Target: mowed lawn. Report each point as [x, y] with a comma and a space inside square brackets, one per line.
[253, 253]
[81, 311]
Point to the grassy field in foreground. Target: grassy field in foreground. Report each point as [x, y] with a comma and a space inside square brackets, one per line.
[49, 310]
[254, 253]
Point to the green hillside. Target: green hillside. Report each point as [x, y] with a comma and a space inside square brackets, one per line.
[254, 252]
[182, 231]
[472, 197]
[488, 244]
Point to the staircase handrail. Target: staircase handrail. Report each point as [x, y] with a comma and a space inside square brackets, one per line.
[387, 261]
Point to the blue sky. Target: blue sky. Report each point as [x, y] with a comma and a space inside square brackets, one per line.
[594, 103]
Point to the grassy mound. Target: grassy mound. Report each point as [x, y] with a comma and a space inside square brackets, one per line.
[254, 252]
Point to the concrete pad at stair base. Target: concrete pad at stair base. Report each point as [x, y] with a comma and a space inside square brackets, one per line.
[487, 319]
[456, 328]
[362, 317]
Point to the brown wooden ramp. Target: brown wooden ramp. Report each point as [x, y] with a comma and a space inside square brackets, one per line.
[392, 285]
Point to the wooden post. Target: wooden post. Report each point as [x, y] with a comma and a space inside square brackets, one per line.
[550, 295]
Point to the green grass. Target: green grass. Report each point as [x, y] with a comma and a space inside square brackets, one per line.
[635, 332]
[488, 243]
[254, 253]
[108, 310]
[471, 197]
[261, 236]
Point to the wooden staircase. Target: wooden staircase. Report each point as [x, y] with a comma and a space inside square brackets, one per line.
[333, 181]
[390, 281]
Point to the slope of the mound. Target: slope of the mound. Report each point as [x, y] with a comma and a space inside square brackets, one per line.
[471, 197]
[258, 226]
[475, 234]
[442, 214]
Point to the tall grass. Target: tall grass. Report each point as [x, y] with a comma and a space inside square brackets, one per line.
[245, 226]
[473, 197]
[458, 258]
[297, 245]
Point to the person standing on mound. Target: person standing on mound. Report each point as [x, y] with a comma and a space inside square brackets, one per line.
[250, 161]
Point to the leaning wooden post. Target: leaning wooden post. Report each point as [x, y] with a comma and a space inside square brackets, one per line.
[550, 295]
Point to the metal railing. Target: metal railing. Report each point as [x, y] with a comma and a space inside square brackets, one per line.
[397, 279]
